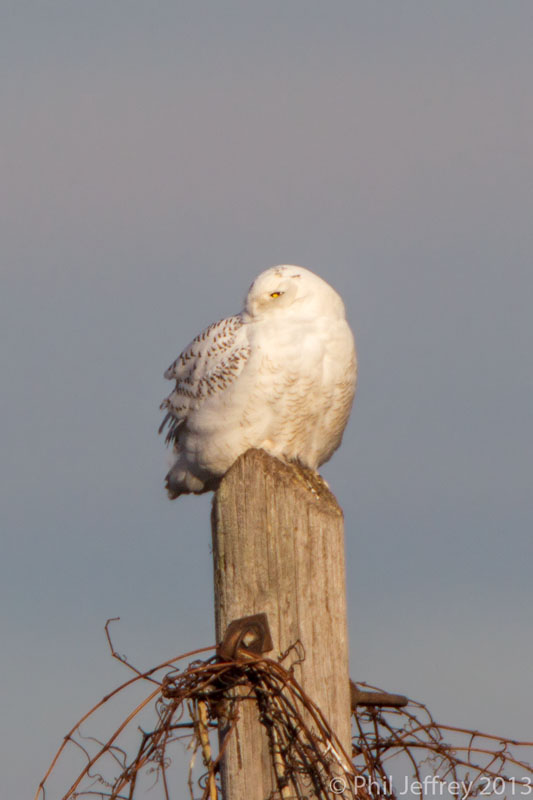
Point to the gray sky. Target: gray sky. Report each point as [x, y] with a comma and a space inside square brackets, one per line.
[155, 158]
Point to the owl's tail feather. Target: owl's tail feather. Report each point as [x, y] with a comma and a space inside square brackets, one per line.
[180, 480]
[173, 491]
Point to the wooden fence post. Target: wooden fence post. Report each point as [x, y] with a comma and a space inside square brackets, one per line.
[278, 547]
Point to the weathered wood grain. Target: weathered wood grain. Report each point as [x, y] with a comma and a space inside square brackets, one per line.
[278, 547]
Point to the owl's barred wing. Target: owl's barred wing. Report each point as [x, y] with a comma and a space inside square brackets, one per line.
[208, 365]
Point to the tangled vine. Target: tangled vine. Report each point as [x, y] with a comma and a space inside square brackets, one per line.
[188, 706]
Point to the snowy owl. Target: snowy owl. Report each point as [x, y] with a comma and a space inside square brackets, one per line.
[279, 376]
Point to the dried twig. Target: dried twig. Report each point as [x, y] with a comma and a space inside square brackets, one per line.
[307, 758]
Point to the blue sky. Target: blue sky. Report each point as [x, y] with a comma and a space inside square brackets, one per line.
[155, 158]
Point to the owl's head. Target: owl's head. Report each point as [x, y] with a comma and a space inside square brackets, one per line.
[289, 287]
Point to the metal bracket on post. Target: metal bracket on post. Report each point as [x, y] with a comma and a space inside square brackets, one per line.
[246, 636]
[358, 697]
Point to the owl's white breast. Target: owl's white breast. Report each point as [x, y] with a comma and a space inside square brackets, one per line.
[293, 397]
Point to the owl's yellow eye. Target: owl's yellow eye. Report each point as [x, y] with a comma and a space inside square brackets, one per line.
[276, 294]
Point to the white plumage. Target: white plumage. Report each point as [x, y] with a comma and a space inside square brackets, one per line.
[279, 376]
